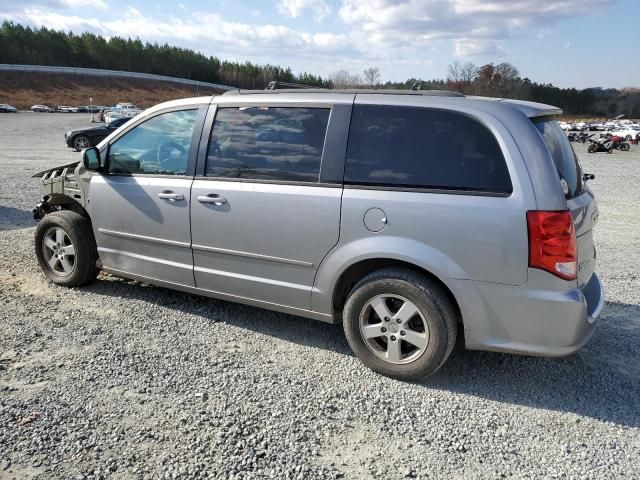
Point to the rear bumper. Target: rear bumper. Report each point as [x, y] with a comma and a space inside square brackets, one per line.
[529, 321]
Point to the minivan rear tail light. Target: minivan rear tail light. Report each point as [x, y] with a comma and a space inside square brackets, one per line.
[552, 243]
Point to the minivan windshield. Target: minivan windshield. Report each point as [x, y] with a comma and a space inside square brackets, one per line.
[563, 156]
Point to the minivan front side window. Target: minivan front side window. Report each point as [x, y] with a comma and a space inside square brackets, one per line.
[267, 143]
[158, 146]
[416, 147]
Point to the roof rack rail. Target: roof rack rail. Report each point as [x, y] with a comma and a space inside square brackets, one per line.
[416, 86]
[276, 85]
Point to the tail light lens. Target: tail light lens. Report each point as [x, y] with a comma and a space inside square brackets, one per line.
[552, 243]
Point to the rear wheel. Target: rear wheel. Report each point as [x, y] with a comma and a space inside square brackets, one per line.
[592, 148]
[65, 248]
[625, 147]
[400, 324]
[81, 142]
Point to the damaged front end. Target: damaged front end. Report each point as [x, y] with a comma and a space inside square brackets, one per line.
[61, 187]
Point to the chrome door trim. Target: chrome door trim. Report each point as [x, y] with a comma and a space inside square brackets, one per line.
[146, 258]
[257, 256]
[144, 238]
[225, 296]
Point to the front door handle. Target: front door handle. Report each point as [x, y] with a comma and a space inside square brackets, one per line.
[212, 198]
[171, 196]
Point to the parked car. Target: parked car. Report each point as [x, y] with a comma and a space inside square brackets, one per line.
[42, 108]
[121, 110]
[82, 138]
[6, 108]
[564, 126]
[67, 109]
[628, 132]
[410, 217]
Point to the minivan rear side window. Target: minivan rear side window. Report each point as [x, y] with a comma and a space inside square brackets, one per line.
[267, 143]
[418, 147]
[563, 156]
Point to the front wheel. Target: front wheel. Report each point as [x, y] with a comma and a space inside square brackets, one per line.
[81, 142]
[592, 148]
[624, 147]
[65, 248]
[400, 324]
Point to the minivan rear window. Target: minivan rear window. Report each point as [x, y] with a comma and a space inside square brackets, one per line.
[563, 156]
[426, 148]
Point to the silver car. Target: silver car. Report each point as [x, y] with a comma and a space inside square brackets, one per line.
[413, 218]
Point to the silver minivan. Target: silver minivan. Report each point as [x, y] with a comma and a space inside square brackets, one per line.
[413, 218]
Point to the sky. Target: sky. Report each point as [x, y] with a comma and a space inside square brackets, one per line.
[570, 43]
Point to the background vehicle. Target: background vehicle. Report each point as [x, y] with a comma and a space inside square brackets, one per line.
[90, 137]
[409, 216]
[604, 144]
[618, 143]
[121, 110]
[581, 137]
[6, 108]
[628, 132]
[67, 109]
[42, 108]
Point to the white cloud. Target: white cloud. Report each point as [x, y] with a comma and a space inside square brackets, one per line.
[475, 26]
[199, 29]
[12, 5]
[295, 8]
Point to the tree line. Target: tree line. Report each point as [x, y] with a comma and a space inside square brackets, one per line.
[43, 46]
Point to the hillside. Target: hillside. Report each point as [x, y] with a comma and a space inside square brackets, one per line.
[24, 89]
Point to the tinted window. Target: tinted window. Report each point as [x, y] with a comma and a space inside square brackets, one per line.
[563, 156]
[159, 146]
[268, 143]
[422, 147]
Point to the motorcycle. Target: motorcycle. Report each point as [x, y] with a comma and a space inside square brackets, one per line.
[581, 137]
[619, 144]
[603, 145]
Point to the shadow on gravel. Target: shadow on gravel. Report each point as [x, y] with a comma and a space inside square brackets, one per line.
[290, 328]
[12, 218]
[601, 381]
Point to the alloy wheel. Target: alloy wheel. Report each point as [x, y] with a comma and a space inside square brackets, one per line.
[81, 143]
[394, 329]
[59, 251]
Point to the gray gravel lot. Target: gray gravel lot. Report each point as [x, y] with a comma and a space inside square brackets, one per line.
[123, 380]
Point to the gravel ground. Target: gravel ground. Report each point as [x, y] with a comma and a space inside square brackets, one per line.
[123, 380]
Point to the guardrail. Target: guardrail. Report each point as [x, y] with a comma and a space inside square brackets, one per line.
[7, 67]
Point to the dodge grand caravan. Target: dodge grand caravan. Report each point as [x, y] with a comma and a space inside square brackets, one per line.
[411, 217]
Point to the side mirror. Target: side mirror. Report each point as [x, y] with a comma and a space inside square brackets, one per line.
[91, 159]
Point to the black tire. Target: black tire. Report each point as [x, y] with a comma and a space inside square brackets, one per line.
[624, 147]
[628, 138]
[439, 314]
[80, 142]
[79, 232]
[592, 148]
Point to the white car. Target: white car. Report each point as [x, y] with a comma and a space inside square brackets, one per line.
[628, 132]
[122, 110]
[67, 109]
[564, 126]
